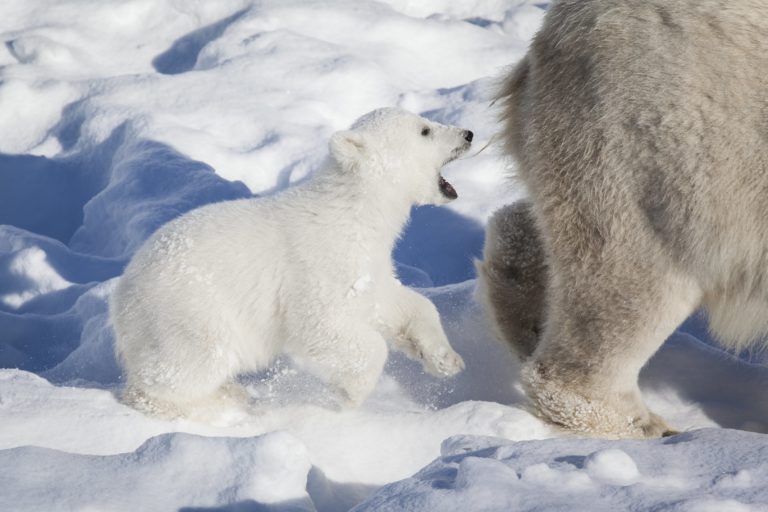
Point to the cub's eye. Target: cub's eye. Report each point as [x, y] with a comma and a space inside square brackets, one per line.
[425, 131]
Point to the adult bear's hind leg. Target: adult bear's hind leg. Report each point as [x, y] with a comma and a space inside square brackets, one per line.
[606, 317]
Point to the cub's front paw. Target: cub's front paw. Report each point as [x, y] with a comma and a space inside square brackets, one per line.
[444, 362]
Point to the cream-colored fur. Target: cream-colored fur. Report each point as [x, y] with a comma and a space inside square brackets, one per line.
[308, 272]
[641, 131]
[511, 277]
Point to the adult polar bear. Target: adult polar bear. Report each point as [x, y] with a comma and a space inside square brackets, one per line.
[225, 288]
[641, 132]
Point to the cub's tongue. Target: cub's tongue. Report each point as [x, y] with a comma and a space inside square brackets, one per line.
[447, 189]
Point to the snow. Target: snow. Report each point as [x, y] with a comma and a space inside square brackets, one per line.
[204, 471]
[31, 264]
[612, 466]
[119, 115]
[693, 471]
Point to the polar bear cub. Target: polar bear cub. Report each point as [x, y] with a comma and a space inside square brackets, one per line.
[308, 272]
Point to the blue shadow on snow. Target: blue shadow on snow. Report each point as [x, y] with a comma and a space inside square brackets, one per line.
[84, 215]
[438, 248]
[182, 55]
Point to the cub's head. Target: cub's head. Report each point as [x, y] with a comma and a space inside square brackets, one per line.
[402, 152]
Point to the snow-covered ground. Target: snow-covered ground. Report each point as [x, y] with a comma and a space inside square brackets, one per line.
[118, 115]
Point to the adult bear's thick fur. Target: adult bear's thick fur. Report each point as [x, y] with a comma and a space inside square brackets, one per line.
[640, 129]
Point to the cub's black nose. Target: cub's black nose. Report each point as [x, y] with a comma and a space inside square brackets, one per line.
[468, 136]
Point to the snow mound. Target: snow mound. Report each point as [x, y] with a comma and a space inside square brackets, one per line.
[612, 466]
[167, 472]
[704, 470]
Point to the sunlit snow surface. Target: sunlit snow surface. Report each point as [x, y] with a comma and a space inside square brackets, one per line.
[118, 115]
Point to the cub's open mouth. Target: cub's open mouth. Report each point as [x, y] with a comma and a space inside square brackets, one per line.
[446, 188]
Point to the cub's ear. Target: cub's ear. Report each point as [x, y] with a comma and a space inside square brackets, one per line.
[347, 147]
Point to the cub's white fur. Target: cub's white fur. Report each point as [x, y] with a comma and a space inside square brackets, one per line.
[227, 287]
[641, 131]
